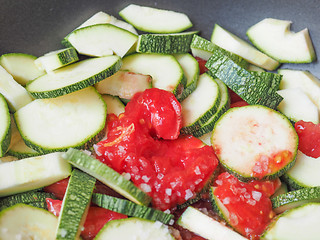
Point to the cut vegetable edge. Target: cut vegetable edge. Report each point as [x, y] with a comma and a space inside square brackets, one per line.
[233, 43]
[5, 126]
[260, 156]
[107, 176]
[76, 77]
[205, 226]
[273, 37]
[155, 20]
[27, 221]
[134, 227]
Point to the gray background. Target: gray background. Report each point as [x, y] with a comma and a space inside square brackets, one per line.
[37, 26]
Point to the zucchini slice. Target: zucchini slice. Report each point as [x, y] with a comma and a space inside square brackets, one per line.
[292, 199]
[296, 105]
[5, 126]
[191, 71]
[304, 173]
[114, 104]
[75, 205]
[124, 84]
[26, 222]
[134, 228]
[57, 59]
[165, 43]
[205, 226]
[295, 224]
[74, 77]
[201, 104]
[101, 40]
[72, 120]
[107, 176]
[164, 69]
[21, 67]
[236, 45]
[255, 142]
[32, 173]
[273, 37]
[16, 95]
[155, 20]
[130, 208]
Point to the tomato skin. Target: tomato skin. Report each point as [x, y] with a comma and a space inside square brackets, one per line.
[202, 64]
[159, 109]
[249, 207]
[239, 104]
[96, 218]
[170, 168]
[309, 138]
[58, 189]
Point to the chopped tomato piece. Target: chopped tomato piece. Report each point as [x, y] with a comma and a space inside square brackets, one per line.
[309, 138]
[171, 170]
[234, 97]
[159, 109]
[249, 207]
[96, 218]
[58, 189]
[239, 104]
[202, 64]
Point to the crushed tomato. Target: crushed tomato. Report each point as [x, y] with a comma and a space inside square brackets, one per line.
[248, 204]
[96, 218]
[144, 142]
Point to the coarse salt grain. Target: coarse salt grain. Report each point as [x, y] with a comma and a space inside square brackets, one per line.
[145, 187]
[188, 195]
[95, 147]
[197, 170]
[126, 175]
[145, 178]
[256, 195]
[168, 191]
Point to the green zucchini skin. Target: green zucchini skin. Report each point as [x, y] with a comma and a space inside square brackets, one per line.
[130, 208]
[165, 43]
[75, 205]
[5, 136]
[81, 83]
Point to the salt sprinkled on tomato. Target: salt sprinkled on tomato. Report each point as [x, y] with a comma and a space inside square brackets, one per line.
[248, 204]
[145, 142]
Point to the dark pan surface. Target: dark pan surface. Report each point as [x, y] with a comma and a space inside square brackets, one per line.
[37, 26]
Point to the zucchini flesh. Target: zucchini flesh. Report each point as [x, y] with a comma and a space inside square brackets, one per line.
[74, 77]
[57, 59]
[304, 173]
[16, 95]
[101, 40]
[155, 20]
[130, 208]
[295, 224]
[273, 37]
[75, 205]
[249, 139]
[124, 84]
[26, 222]
[191, 71]
[72, 120]
[164, 69]
[32, 173]
[236, 45]
[134, 228]
[107, 176]
[5, 126]
[114, 104]
[21, 67]
[205, 226]
[201, 104]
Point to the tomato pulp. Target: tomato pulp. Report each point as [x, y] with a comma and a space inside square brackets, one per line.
[145, 143]
[248, 204]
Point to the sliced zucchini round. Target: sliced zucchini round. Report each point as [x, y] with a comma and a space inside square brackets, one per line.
[5, 126]
[164, 69]
[155, 20]
[72, 120]
[134, 228]
[114, 104]
[255, 142]
[74, 77]
[26, 222]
